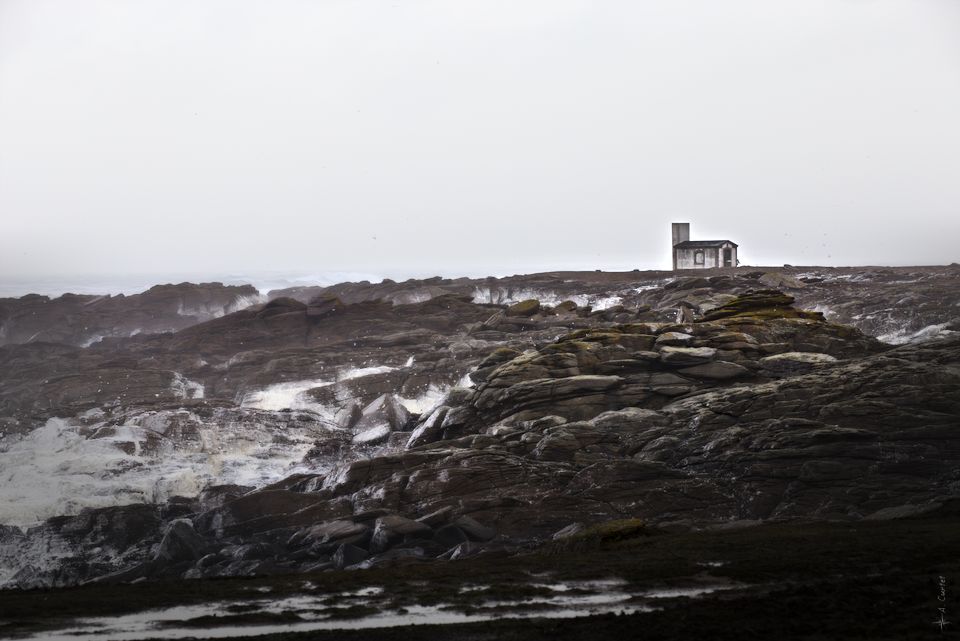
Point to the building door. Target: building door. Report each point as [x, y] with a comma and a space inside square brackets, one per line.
[727, 257]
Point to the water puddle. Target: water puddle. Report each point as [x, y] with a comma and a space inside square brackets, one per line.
[369, 608]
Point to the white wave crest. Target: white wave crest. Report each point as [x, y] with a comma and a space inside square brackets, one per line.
[293, 394]
[928, 333]
[485, 295]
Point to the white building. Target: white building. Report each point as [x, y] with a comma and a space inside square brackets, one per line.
[701, 254]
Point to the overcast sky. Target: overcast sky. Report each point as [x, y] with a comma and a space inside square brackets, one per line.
[474, 136]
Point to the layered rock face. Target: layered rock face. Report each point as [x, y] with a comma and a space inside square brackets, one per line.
[349, 431]
[762, 413]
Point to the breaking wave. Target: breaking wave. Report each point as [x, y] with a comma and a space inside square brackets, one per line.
[486, 295]
[928, 333]
[62, 467]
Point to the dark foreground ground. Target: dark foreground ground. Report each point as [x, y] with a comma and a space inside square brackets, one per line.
[866, 580]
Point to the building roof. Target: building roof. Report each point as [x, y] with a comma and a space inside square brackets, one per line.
[703, 244]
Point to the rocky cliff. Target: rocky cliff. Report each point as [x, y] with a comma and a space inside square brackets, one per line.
[298, 436]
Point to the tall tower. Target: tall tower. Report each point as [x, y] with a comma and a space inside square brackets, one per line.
[681, 232]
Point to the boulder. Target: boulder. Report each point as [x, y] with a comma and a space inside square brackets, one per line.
[795, 362]
[376, 435]
[385, 410]
[180, 543]
[348, 416]
[429, 429]
[763, 304]
[392, 529]
[673, 338]
[558, 445]
[524, 309]
[687, 355]
[381, 417]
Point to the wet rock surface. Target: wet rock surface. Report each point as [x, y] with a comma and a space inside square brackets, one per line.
[363, 425]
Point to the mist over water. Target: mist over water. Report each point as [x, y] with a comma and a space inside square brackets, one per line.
[127, 283]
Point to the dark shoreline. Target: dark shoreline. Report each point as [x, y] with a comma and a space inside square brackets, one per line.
[875, 580]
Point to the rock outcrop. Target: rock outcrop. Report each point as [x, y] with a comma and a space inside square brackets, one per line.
[462, 423]
[82, 320]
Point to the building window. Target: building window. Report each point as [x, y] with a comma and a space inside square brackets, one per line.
[698, 257]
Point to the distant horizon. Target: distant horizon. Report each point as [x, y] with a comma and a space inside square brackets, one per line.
[55, 286]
